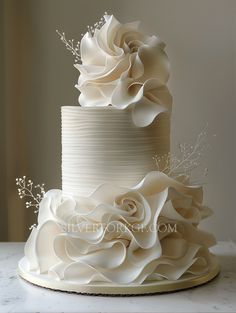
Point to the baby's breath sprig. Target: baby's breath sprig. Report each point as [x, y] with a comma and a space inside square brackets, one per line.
[97, 25]
[187, 159]
[73, 47]
[26, 188]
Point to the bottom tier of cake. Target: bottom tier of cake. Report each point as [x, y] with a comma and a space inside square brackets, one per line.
[122, 240]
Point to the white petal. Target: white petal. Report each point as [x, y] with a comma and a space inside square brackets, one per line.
[30, 251]
[44, 245]
[155, 62]
[87, 47]
[92, 96]
[145, 111]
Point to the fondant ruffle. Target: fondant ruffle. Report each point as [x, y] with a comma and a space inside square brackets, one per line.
[121, 235]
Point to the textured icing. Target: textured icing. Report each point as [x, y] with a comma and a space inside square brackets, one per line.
[103, 145]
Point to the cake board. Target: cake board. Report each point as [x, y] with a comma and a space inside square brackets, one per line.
[109, 289]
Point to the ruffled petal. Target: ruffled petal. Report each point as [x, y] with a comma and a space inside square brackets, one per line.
[30, 252]
[92, 96]
[155, 63]
[145, 111]
[88, 45]
[44, 247]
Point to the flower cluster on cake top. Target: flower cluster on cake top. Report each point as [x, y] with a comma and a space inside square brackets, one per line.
[120, 66]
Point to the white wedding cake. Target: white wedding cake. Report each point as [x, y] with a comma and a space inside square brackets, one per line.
[122, 223]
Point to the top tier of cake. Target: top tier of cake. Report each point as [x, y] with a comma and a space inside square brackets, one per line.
[103, 145]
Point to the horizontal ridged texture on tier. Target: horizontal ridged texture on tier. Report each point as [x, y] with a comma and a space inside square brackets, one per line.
[103, 145]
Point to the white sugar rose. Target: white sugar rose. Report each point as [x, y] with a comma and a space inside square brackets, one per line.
[121, 67]
[134, 208]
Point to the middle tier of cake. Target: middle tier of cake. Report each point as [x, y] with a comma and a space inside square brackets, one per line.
[101, 145]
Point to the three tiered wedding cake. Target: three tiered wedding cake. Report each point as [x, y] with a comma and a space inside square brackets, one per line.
[120, 224]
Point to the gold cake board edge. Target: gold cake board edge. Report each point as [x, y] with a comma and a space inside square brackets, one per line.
[123, 290]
